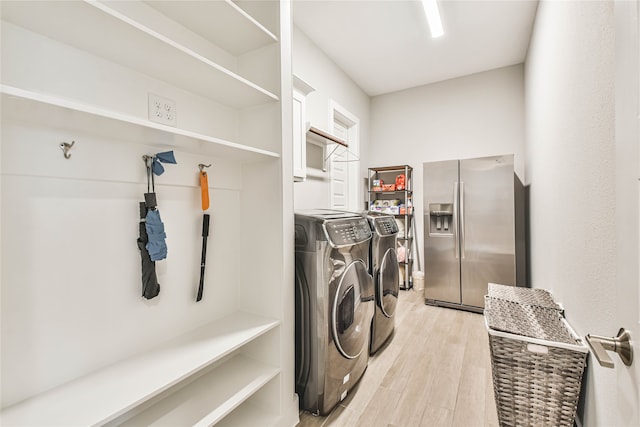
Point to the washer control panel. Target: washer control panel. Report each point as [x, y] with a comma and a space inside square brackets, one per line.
[386, 226]
[345, 232]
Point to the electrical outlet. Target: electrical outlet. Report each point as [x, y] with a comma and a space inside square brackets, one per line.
[162, 110]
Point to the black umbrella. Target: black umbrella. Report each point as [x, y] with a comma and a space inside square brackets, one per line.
[151, 240]
[150, 285]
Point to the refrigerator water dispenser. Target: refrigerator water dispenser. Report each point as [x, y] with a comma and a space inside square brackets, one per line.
[441, 218]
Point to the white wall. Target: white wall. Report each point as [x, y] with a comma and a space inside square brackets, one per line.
[472, 116]
[570, 166]
[330, 83]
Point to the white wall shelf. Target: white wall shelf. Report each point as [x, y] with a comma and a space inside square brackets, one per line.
[224, 388]
[36, 107]
[86, 24]
[113, 391]
[322, 139]
[223, 22]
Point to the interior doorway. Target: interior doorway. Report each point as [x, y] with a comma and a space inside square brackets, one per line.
[344, 163]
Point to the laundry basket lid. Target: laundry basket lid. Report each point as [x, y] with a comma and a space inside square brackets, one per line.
[527, 320]
[539, 297]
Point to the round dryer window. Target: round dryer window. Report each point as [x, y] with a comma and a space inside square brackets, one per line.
[352, 311]
[388, 283]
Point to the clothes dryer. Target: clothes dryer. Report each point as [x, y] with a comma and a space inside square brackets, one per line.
[383, 267]
[334, 306]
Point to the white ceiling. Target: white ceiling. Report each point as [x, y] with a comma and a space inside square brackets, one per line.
[386, 46]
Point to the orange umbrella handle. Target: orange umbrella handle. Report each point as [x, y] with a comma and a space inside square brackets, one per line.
[204, 190]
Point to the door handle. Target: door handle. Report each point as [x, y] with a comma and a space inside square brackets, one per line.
[620, 344]
[455, 219]
[463, 241]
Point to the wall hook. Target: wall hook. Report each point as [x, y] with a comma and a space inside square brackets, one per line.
[148, 160]
[66, 147]
[201, 166]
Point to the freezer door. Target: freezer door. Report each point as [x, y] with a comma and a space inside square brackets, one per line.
[442, 266]
[487, 232]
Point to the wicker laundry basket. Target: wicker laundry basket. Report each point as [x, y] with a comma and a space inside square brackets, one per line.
[537, 362]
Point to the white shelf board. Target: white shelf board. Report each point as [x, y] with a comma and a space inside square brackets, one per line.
[316, 173]
[96, 28]
[222, 22]
[109, 393]
[322, 138]
[249, 415]
[40, 108]
[210, 398]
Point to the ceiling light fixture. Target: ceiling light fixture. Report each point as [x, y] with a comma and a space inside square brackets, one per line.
[433, 17]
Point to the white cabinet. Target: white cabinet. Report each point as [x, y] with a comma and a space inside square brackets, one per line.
[300, 91]
[79, 344]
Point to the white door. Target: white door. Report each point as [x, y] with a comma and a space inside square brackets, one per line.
[339, 168]
[627, 283]
[345, 163]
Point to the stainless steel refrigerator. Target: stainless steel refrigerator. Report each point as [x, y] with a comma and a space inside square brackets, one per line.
[469, 229]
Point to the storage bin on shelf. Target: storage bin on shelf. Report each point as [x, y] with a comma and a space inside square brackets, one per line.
[537, 361]
[393, 206]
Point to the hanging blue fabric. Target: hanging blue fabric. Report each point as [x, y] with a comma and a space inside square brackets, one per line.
[164, 157]
[156, 245]
[156, 167]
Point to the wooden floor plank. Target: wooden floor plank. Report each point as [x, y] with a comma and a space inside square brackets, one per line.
[470, 401]
[380, 409]
[341, 416]
[435, 416]
[435, 372]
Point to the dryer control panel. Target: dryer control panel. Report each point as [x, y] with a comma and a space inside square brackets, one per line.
[386, 226]
[346, 232]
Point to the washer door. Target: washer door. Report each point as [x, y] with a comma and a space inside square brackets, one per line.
[388, 283]
[303, 341]
[351, 312]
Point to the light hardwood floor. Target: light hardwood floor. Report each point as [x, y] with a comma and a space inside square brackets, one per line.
[435, 372]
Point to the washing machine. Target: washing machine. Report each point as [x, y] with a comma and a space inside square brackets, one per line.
[334, 306]
[383, 267]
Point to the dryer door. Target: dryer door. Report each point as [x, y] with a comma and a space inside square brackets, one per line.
[352, 311]
[388, 283]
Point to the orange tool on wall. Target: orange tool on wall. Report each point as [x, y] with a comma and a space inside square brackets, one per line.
[204, 191]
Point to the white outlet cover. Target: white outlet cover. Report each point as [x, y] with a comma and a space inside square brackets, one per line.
[162, 110]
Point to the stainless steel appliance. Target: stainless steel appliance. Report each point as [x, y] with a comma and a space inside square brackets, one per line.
[383, 267]
[334, 306]
[469, 229]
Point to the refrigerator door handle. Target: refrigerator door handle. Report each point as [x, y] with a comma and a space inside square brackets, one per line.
[462, 240]
[455, 219]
